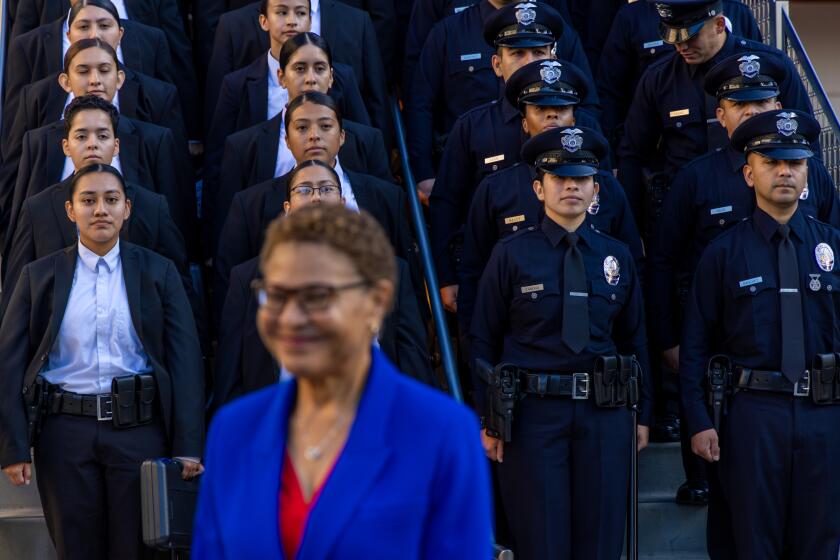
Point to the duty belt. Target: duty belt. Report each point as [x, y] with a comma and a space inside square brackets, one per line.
[770, 382]
[98, 406]
[546, 384]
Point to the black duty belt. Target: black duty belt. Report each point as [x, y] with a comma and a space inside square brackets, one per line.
[770, 382]
[98, 406]
[574, 385]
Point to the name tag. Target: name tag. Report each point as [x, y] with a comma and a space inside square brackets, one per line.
[494, 159]
[679, 113]
[515, 220]
[534, 288]
[653, 44]
[473, 56]
[721, 210]
[750, 281]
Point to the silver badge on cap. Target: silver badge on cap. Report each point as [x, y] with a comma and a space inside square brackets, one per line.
[814, 284]
[595, 205]
[550, 71]
[750, 66]
[525, 13]
[787, 124]
[805, 192]
[611, 270]
[572, 141]
[825, 256]
[665, 11]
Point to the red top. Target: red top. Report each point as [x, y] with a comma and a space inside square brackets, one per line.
[294, 509]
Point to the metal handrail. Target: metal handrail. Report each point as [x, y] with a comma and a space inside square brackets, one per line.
[4, 24]
[438, 315]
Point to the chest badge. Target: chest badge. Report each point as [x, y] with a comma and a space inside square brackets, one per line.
[595, 205]
[805, 192]
[825, 257]
[611, 270]
[814, 284]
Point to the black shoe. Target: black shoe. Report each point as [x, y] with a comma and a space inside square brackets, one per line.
[693, 493]
[666, 429]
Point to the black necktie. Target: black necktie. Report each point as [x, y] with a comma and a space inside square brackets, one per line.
[793, 329]
[575, 332]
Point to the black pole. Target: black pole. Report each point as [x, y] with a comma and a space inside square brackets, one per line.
[633, 493]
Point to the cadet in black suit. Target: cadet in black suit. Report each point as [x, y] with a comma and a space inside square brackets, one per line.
[349, 31]
[161, 14]
[99, 310]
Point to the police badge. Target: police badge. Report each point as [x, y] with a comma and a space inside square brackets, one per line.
[611, 270]
[814, 284]
[825, 256]
[525, 13]
[665, 11]
[572, 141]
[550, 71]
[804, 195]
[595, 205]
[750, 66]
[787, 124]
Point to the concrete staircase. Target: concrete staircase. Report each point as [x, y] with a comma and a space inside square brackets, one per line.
[23, 532]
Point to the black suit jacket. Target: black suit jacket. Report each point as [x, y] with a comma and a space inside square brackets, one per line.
[250, 157]
[239, 40]
[160, 314]
[244, 364]
[148, 156]
[141, 97]
[161, 14]
[253, 209]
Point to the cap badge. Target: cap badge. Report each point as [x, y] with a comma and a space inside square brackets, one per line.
[825, 257]
[595, 205]
[665, 11]
[611, 270]
[814, 284]
[550, 71]
[572, 141]
[525, 13]
[750, 66]
[787, 124]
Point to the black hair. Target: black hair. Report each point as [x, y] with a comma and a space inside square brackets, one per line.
[95, 168]
[106, 5]
[317, 98]
[303, 165]
[264, 7]
[89, 103]
[85, 44]
[291, 46]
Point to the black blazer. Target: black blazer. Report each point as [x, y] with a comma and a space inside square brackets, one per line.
[244, 365]
[160, 314]
[253, 209]
[141, 97]
[239, 40]
[250, 157]
[161, 14]
[148, 156]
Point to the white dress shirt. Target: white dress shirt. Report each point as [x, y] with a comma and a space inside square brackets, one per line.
[65, 41]
[285, 161]
[316, 16]
[96, 341]
[278, 97]
[346, 187]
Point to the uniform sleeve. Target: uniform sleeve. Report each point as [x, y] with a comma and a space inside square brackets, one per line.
[479, 237]
[423, 19]
[352, 106]
[615, 77]
[744, 24]
[222, 125]
[18, 174]
[377, 157]
[625, 227]
[570, 48]
[375, 87]
[26, 18]
[412, 345]
[231, 181]
[221, 64]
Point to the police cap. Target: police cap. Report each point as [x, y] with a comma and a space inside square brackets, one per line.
[566, 152]
[524, 24]
[553, 83]
[749, 76]
[778, 135]
[680, 20]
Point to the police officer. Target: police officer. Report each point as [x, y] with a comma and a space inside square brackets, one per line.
[553, 300]
[456, 73]
[764, 297]
[707, 197]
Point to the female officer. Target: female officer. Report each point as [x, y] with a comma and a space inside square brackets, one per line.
[554, 300]
[103, 332]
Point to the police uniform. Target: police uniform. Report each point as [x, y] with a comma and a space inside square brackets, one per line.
[505, 203]
[670, 108]
[566, 468]
[633, 44]
[764, 296]
[454, 74]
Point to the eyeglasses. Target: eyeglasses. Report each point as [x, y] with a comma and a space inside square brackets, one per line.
[310, 299]
[323, 190]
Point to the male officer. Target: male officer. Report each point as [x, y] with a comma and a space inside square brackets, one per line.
[670, 109]
[456, 72]
[763, 304]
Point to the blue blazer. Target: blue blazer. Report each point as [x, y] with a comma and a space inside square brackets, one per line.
[411, 482]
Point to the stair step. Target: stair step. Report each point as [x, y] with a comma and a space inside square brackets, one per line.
[668, 530]
[660, 472]
[25, 537]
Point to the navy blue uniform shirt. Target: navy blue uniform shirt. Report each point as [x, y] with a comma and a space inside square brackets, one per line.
[707, 197]
[733, 307]
[671, 110]
[505, 203]
[519, 309]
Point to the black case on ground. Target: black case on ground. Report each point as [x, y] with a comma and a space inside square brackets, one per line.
[168, 504]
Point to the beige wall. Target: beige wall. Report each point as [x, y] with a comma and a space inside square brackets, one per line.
[818, 25]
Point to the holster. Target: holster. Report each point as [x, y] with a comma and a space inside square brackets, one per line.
[615, 380]
[502, 393]
[132, 397]
[35, 402]
[825, 388]
[719, 378]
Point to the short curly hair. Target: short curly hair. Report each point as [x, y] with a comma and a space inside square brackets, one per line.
[355, 234]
